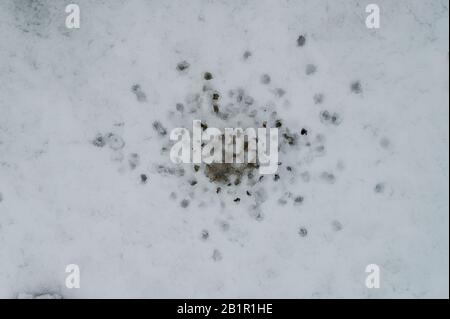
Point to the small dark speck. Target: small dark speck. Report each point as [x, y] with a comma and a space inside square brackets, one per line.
[328, 177]
[196, 168]
[276, 177]
[304, 131]
[159, 128]
[336, 225]
[298, 200]
[183, 65]
[301, 40]
[385, 143]
[246, 55]
[289, 169]
[379, 188]
[355, 87]
[265, 79]
[205, 234]
[143, 178]
[335, 119]
[248, 193]
[215, 96]
[193, 182]
[184, 203]
[318, 98]
[259, 216]
[133, 160]
[280, 92]
[303, 232]
[140, 95]
[180, 107]
[218, 189]
[99, 140]
[278, 123]
[207, 76]
[237, 200]
[325, 116]
[248, 100]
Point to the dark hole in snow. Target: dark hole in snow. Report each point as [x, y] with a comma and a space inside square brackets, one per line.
[318, 98]
[99, 140]
[303, 232]
[265, 79]
[184, 203]
[205, 234]
[298, 199]
[207, 76]
[379, 188]
[140, 95]
[180, 107]
[159, 128]
[328, 177]
[182, 66]
[356, 87]
[301, 40]
[215, 96]
[246, 55]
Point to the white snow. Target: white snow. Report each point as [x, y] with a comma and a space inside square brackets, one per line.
[65, 201]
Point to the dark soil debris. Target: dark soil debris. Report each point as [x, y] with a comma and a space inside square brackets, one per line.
[204, 234]
[356, 87]
[184, 203]
[207, 76]
[301, 40]
[303, 232]
[182, 66]
[159, 128]
[99, 140]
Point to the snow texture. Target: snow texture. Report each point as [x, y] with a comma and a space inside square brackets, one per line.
[86, 179]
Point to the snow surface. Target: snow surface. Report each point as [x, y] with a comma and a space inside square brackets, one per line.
[373, 185]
